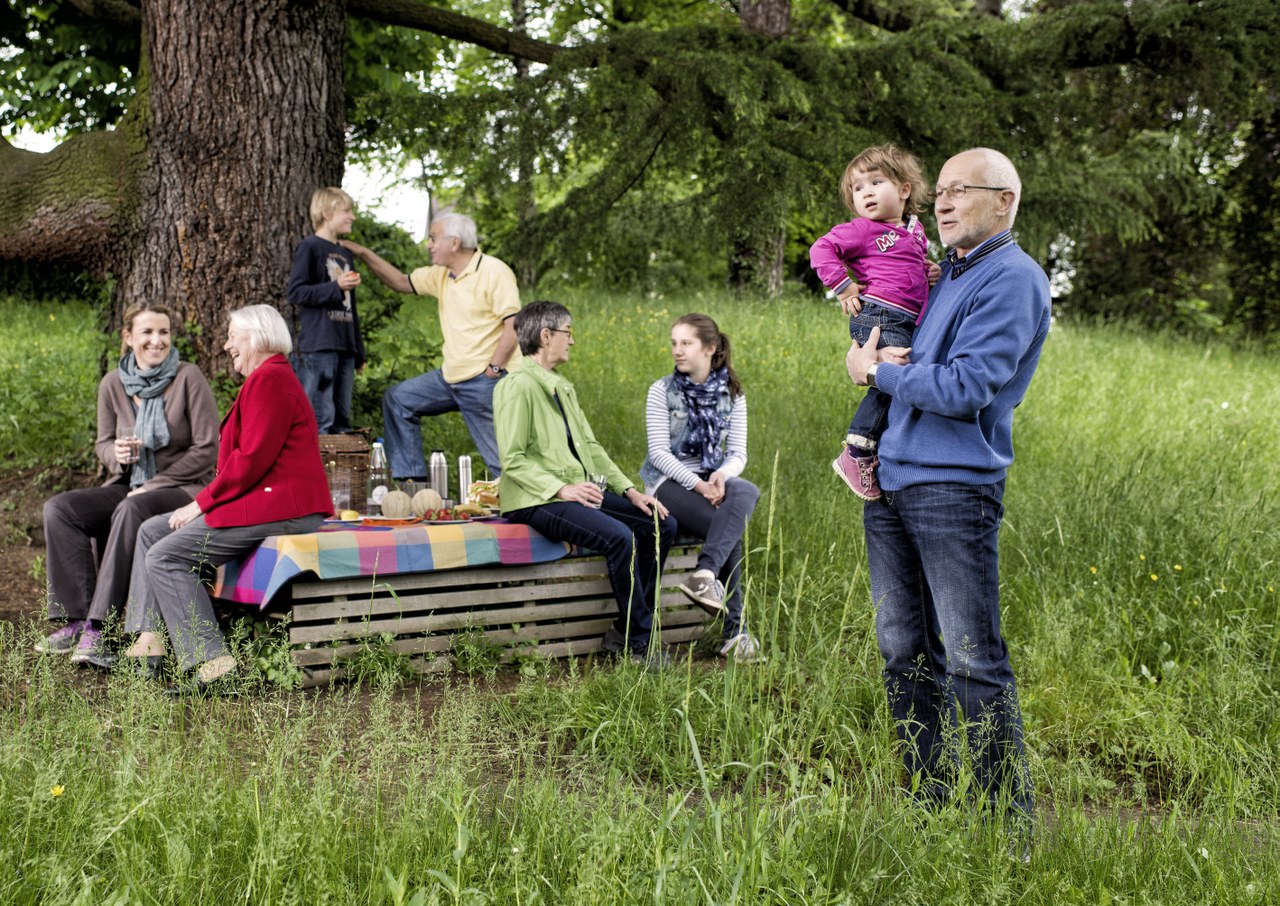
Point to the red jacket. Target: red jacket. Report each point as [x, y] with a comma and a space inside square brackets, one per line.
[269, 463]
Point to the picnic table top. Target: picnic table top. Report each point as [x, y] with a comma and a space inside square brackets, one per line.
[343, 551]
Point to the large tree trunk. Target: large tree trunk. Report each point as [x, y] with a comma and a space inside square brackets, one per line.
[245, 122]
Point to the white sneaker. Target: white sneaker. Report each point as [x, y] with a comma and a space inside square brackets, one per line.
[704, 589]
[743, 648]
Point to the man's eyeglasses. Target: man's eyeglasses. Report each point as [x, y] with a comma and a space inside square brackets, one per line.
[568, 330]
[960, 190]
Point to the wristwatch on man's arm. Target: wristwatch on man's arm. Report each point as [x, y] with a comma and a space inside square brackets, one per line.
[871, 374]
[497, 369]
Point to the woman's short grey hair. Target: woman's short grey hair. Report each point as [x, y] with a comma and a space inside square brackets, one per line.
[459, 226]
[266, 328]
[536, 317]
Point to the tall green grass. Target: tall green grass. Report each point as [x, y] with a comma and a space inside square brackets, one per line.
[1139, 579]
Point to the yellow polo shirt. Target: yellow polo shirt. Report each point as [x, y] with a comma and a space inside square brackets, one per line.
[473, 306]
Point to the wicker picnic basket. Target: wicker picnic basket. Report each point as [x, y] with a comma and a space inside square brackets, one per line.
[347, 456]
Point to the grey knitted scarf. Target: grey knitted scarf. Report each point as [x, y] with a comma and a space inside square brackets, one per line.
[151, 427]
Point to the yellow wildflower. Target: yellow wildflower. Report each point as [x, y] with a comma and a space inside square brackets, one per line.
[56, 791]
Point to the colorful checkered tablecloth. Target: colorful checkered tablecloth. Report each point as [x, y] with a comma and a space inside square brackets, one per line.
[339, 551]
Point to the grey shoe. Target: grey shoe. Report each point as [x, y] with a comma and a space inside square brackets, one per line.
[64, 640]
[743, 648]
[705, 590]
[92, 649]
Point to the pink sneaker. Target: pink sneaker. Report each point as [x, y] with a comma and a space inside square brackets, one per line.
[859, 473]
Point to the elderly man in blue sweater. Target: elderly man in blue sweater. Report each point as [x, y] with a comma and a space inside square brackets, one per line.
[932, 537]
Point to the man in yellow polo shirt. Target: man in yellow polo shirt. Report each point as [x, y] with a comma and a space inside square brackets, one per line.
[478, 298]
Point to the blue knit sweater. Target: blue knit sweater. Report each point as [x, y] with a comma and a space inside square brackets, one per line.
[972, 359]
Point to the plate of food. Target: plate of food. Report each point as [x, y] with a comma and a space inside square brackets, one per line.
[390, 520]
[466, 512]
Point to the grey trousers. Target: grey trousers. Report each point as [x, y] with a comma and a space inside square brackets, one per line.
[82, 586]
[721, 529]
[167, 583]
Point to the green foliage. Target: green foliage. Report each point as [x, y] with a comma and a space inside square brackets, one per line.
[62, 69]
[1140, 603]
[264, 644]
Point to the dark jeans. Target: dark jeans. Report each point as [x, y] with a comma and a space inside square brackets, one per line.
[721, 529]
[328, 378]
[935, 580]
[896, 329]
[625, 536]
[404, 404]
[80, 585]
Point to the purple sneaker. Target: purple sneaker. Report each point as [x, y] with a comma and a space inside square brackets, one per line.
[93, 650]
[64, 640]
[859, 473]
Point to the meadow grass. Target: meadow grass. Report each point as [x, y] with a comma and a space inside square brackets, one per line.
[1139, 588]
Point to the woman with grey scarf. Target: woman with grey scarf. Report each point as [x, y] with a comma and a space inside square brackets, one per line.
[168, 407]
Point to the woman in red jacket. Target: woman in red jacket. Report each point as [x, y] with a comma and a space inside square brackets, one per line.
[270, 481]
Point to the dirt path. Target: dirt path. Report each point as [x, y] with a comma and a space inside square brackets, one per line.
[22, 496]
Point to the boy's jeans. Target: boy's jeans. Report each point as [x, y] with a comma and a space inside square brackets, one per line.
[328, 378]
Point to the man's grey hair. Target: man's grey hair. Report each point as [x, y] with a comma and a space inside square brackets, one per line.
[459, 226]
[536, 317]
[1000, 171]
[266, 328]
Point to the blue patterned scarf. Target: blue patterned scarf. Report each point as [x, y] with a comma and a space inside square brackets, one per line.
[706, 425]
[150, 425]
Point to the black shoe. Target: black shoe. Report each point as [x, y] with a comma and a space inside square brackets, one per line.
[192, 686]
[147, 666]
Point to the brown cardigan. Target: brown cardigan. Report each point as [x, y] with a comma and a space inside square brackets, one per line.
[188, 460]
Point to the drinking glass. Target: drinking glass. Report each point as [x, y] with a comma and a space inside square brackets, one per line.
[601, 481]
[134, 443]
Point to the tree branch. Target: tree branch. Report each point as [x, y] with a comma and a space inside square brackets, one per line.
[119, 12]
[444, 22]
[68, 204]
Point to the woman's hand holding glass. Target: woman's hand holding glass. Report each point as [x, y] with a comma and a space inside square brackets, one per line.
[127, 448]
[584, 492]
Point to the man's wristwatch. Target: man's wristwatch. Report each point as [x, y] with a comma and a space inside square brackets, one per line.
[497, 369]
[871, 374]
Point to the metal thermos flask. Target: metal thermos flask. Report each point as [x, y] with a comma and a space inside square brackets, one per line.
[464, 479]
[438, 473]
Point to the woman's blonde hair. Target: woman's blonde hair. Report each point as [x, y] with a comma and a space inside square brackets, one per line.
[135, 309]
[901, 168]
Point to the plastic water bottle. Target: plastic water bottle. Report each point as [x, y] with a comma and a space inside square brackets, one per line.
[438, 473]
[379, 478]
[464, 479]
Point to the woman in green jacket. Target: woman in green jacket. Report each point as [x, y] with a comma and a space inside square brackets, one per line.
[557, 479]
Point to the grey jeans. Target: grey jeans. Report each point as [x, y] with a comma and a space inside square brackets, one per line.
[167, 582]
[721, 530]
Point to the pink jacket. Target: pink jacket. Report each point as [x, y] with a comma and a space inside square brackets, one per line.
[890, 261]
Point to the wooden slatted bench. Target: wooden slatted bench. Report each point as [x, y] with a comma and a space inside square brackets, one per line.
[554, 609]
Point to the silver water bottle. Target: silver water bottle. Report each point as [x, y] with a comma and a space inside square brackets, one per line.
[438, 473]
[464, 479]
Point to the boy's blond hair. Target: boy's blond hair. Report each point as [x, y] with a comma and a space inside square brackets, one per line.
[900, 167]
[325, 201]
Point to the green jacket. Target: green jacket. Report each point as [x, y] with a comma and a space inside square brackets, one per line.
[533, 446]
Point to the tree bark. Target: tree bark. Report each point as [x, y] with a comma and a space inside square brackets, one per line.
[770, 18]
[245, 103]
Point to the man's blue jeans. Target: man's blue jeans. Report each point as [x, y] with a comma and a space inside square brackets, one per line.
[404, 404]
[633, 550]
[328, 378]
[934, 577]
